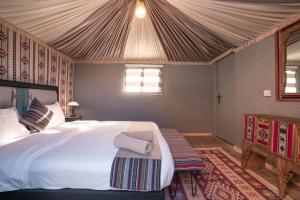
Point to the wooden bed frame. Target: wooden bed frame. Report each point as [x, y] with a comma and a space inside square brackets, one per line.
[74, 194]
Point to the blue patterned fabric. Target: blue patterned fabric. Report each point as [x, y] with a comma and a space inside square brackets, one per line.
[22, 100]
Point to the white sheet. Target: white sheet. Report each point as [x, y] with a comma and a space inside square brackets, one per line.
[75, 155]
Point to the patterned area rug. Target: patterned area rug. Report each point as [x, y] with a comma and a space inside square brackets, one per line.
[222, 179]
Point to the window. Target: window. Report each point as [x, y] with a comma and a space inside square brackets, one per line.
[143, 79]
[291, 81]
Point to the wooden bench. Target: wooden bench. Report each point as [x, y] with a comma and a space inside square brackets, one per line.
[185, 157]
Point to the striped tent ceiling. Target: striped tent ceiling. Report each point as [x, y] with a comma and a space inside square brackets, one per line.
[173, 31]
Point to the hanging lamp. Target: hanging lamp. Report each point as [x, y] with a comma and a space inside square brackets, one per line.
[140, 10]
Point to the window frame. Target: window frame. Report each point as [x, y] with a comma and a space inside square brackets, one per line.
[136, 66]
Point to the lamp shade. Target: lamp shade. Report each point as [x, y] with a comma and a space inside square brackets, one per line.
[73, 104]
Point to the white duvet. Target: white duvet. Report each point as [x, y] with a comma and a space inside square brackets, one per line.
[74, 155]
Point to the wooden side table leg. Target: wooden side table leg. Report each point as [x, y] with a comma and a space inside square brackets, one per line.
[174, 192]
[193, 184]
[283, 174]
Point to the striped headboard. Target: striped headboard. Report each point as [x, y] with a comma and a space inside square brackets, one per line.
[20, 94]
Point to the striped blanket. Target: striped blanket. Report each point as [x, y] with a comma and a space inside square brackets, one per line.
[137, 172]
[185, 157]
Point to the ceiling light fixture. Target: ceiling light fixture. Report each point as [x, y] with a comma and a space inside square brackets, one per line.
[140, 10]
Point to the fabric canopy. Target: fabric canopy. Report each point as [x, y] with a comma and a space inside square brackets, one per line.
[173, 31]
[48, 20]
[143, 43]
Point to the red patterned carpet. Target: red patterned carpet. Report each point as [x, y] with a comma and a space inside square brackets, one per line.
[222, 179]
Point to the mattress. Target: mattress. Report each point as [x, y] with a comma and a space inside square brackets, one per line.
[75, 155]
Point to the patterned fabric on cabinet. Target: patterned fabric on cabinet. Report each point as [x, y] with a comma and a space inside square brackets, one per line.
[263, 133]
[283, 139]
[249, 132]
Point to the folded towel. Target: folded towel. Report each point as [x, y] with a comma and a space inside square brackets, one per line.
[136, 145]
[141, 135]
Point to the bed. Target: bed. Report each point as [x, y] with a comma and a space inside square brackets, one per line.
[72, 160]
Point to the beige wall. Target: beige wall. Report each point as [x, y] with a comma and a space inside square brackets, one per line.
[254, 72]
[189, 100]
[186, 103]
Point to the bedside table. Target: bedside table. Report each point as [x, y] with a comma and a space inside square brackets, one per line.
[72, 119]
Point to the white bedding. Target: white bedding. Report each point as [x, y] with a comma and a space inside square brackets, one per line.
[74, 155]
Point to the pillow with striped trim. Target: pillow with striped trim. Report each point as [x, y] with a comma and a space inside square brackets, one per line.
[37, 116]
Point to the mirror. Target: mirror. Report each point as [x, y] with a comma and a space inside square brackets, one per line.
[288, 63]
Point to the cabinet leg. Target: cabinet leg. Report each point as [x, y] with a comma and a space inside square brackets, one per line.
[193, 183]
[245, 157]
[283, 175]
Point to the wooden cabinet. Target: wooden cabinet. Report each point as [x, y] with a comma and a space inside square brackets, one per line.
[275, 137]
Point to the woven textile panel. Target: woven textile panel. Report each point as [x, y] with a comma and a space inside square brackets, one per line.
[249, 132]
[21, 99]
[263, 133]
[283, 139]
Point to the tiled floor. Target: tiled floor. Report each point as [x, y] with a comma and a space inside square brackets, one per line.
[212, 141]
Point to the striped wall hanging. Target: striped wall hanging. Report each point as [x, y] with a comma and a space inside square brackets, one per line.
[25, 59]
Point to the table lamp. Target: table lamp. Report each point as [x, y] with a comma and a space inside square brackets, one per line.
[73, 105]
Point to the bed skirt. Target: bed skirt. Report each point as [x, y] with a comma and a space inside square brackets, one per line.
[77, 194]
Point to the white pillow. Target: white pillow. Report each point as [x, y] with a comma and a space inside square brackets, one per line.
[58, 117]
[10, 128]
